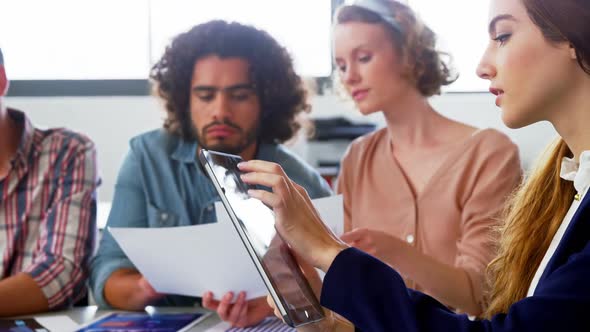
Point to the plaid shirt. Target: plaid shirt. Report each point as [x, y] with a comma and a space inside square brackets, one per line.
[48, 211]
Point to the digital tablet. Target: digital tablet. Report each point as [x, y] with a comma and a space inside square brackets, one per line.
[255, 225]
[144, 322]
[21, 325]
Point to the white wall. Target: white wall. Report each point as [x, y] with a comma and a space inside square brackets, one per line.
[112, 121]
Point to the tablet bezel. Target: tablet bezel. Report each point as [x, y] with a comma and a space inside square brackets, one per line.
[243, 234]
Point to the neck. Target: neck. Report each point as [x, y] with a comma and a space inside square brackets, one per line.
[411, 121]
[573, 116]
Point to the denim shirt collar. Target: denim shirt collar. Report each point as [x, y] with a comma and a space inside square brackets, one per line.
[185, 151]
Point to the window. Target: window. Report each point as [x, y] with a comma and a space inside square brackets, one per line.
[302, 26]
[113, 39]
[461, 26]
[75, 40]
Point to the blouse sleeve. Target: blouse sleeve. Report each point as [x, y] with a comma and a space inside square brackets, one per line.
[497, 174]
[344, 186]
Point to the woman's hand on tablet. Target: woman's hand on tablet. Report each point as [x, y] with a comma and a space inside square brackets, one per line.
[295, 217]
[332, 322]
[240, 313]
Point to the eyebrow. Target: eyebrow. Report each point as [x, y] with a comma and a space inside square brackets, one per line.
[495, 20]
[234, 87]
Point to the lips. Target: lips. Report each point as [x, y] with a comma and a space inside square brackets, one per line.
[360, 94]
[220, 131]
[499, 93]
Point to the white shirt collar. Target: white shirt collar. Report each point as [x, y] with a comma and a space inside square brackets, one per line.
[579, 173]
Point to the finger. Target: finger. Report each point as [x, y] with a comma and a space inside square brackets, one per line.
[147, 289]
[261, 166]
[224, 306]
[278, 183]
[237, 308]
[273, 306]
[349, 238]
[208, 301]
[243, 317]
[271, 302]
[271, 199]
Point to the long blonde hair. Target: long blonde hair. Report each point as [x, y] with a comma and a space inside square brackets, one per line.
[532, 218]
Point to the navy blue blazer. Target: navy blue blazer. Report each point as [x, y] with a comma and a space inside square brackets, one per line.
[373, 296]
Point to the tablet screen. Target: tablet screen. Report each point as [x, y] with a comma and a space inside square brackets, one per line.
[143, 322]
[255, 224]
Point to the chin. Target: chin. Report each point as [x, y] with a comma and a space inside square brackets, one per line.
[367, 109]
[513, 121]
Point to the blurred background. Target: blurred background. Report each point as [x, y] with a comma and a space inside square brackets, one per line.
[84, 65]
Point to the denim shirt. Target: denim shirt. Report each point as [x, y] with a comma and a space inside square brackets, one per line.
[161, 184]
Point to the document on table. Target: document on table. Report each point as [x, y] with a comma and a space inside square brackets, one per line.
[190, 260]
[60, 323]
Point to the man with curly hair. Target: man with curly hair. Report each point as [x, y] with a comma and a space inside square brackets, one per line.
[48, 180]
[226, 87]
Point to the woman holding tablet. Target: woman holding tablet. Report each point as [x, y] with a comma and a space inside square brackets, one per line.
[538, 64]
[424, 193]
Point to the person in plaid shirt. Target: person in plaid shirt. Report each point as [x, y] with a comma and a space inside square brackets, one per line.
[48, 181]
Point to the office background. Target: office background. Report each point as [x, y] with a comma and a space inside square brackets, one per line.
[104, 62]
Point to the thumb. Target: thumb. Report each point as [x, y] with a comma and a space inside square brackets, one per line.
[146, 287]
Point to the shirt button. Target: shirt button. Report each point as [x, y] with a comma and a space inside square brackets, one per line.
[410, 239]
[164, 216]
[210, 208]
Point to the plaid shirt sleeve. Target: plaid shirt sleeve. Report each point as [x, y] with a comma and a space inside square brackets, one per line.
[68, 228]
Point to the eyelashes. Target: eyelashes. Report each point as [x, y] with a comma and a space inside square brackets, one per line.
[361, 59]
[502, 39]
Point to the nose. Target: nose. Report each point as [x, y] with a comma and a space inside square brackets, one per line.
[221, 106]
[351, 76]
[485, 68]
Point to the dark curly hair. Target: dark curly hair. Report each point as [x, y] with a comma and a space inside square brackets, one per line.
[280, 90]
[428, 71]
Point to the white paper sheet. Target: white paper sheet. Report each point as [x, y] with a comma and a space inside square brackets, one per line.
[60, 323]
[190, 260]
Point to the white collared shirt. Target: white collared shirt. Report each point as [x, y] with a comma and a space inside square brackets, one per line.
[580, 175]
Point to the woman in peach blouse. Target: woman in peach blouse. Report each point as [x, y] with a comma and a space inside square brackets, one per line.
[424, 193]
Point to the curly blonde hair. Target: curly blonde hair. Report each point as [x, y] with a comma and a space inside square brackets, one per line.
[417, 44]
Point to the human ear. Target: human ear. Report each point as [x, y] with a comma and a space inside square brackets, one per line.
[3, 81]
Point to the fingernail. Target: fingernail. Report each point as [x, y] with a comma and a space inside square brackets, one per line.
[241, 164]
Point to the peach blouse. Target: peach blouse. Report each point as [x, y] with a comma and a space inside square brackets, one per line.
[451, 219]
